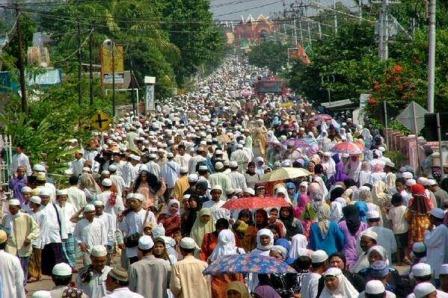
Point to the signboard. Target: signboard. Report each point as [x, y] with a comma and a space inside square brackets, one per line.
[269, 86]
[112, 63]
[100, 121]
[49, 77]
[413, 110]
[149, 98]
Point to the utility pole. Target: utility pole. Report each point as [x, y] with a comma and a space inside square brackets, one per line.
[91, 67]
[431, 54]
[79, 59]
[295, 32]
[335, 18]
[21, 63]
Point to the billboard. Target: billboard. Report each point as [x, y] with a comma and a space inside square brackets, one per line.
[112, 60]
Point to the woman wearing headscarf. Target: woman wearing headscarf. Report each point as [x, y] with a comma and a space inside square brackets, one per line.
[299, 247]
[150, 186]
[189, 217]
[293, 225]
[202, 225]
[293, 193]
[265, 241]
[417, 214]
[171, 218]
[302, 199]
[364, 174]
[326, 234]
[261, 221]
[266, 292]
[339, 175]
[242, 226]
[237, 289]
[337, 285]
[310, 214]
[226, 246]
[365, 197]
[281, 192]
[337, 202]
[210, 240]
[352, 228]
[88, 184]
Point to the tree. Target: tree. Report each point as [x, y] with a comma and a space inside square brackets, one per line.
[270, 54]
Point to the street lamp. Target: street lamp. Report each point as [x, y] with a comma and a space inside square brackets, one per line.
[110, 44]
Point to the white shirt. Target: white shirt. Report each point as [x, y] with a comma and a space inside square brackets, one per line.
[118, 181]
[133, 223]
[11, 276]
[68, 211]
[217, 210]
[123, 292]
[153, 168]
[90, 233]
[76, 197]
[51, 231]
[76, 166]
[110, 223]
[183, 160]
[39, 217]
[399, 223]
[170, 172]
[310, 284]
[108, 208]
[96, 288]
[238, 180]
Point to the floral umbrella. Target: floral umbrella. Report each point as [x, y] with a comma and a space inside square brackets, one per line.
[285, 173]
[321, 117]
[347, 148]
[248, 263]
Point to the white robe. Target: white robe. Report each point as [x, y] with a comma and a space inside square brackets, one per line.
[386, 239]
[133, 223]
[310, 284]
[436, 242]
[11, 276]
[91, 233]
[96, 287]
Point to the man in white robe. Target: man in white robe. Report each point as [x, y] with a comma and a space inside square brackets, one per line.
[92, 278]
[11, 273]
[236, 178]
[436, 241]
[75, 195]
[241, 157]
[386, 237]
[215, 204]
[113, 203]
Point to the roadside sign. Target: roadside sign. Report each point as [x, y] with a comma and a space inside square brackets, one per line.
[100, 121]
[413, 117]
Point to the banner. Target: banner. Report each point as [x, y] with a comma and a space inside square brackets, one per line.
[112, 63]
[149, 98]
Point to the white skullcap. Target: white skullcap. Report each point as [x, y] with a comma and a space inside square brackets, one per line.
[233, 164]
[218, 152]
[372, 214]
[13, 202]
[422, 180]
[105, 172]
[145, 242]
[188, 243]
[203, 168]
[62, 269]
[375, 287]
[239, 146]
[183, 170]
[99, 251]
[112, 168]
[216, 187]
[36, 200]
[319, 256]
[41, 294]
[26, 189]
[193, 178]
[407, 175]
[89, 208]
[410, 182]
[219, 165]
[106, 182]
[438, 213]
[143, 168]
[371, 234]
[421, 269]
[432, 182]
[423, 289]
[186, 196]
[135, 157]
[259, 159]
[98, 203]
[61, 192]
[139, 197]
[45, 192]
[418, 247]
[444, 269]
[169, 155]
[39, 168]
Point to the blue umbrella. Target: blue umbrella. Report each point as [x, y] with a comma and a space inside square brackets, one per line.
[248, 263]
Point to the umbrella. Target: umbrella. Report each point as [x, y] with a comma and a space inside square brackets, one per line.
[321, 117]
[248, 263]
[347, 148]
[255, 203]
[285, 173]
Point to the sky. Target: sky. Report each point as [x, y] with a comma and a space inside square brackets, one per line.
[234, 9]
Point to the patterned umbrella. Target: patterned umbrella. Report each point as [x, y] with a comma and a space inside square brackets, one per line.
[248, 263]
[347, 148]
[285, 173]
[255, 203]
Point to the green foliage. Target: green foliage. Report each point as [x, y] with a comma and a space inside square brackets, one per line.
[270, 54]
[396, 157]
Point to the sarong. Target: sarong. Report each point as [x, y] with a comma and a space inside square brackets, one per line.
[52, 254]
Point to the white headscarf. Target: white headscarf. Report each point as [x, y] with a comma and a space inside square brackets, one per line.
[299, 245]
[344, 289]
[265, 232]
[226, 245]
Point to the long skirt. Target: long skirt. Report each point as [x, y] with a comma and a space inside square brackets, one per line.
[52, 254]
[34, 269]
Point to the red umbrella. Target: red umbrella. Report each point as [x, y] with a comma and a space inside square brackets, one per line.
[347, 148]
[255, 203]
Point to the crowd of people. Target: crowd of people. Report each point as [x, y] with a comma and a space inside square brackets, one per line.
[141, 211]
